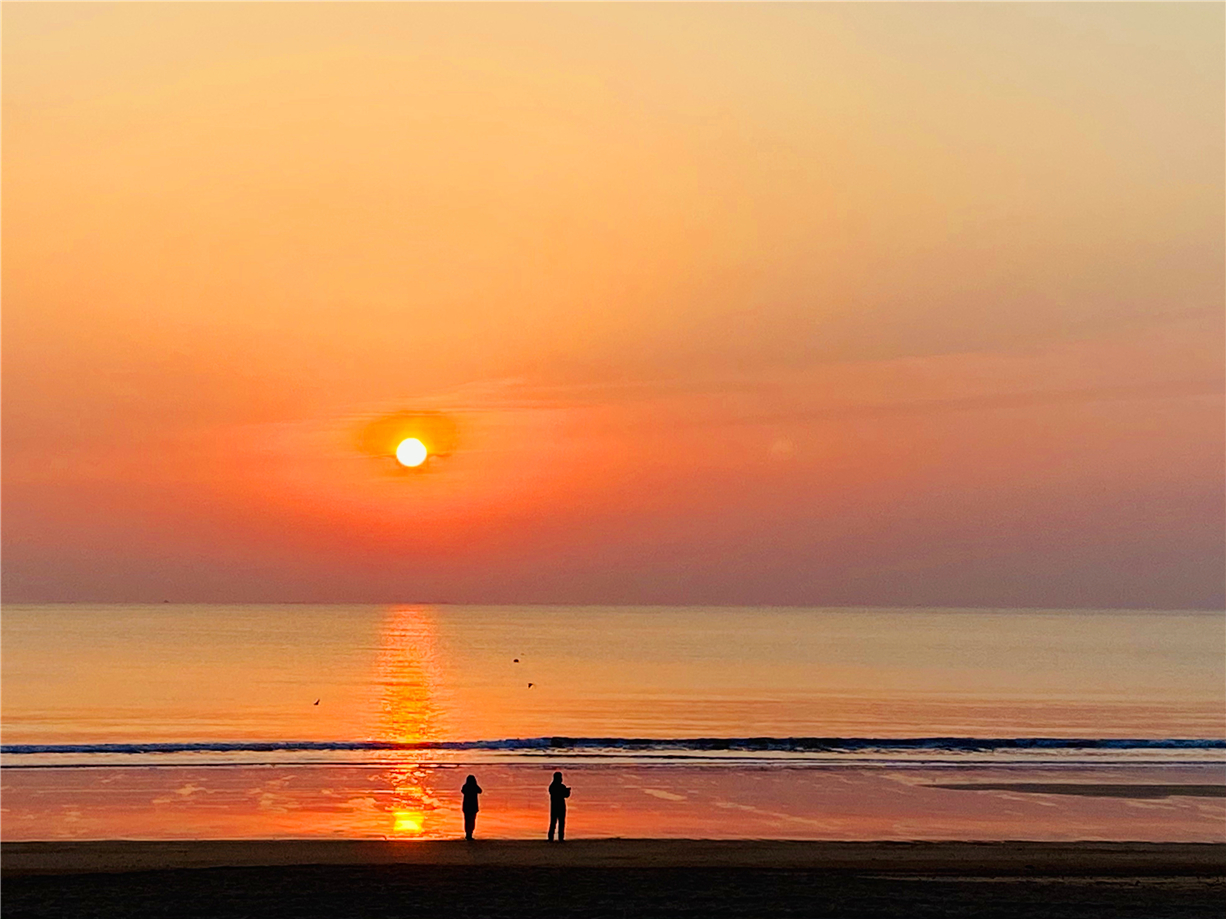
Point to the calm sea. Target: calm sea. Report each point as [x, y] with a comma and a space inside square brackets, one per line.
[207, 720]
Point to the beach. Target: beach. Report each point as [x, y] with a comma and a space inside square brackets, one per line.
[864, 767]
[968, 859]
[612, 877]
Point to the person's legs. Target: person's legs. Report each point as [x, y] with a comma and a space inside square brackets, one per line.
[470, 824]
[561, 826]
[553, 823]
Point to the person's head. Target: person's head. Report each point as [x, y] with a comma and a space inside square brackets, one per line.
[471, 780]
[557, 776]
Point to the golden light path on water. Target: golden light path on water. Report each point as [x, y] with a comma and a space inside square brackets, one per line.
[407, 674]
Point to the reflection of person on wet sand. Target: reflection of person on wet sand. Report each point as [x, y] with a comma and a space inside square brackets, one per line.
[470, 790]
[558, 793]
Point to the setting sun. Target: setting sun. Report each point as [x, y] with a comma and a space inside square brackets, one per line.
[411, 452]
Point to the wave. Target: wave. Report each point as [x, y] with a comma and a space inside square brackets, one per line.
[642, 745]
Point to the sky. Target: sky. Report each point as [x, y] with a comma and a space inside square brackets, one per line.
[830, 304]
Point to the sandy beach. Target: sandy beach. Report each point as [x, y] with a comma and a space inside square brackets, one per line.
[613, 877]
[979, 859]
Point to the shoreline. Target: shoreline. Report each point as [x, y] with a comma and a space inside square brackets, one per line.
[1093, 789]
[1080, 859]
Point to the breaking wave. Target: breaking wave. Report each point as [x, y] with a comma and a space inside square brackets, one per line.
[645, 745]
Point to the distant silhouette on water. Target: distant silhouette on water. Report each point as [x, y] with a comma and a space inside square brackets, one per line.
[558, 793]
[470, 790]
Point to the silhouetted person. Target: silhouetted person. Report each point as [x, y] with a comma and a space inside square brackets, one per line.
[558, 793]
[470, 790]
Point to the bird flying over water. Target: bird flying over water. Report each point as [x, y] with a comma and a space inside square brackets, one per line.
[316, 702]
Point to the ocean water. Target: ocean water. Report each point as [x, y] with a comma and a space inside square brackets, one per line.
[169, 721]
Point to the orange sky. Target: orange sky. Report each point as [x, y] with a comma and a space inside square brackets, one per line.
[804, 304]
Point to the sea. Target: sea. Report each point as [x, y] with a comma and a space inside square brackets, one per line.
[171, 721]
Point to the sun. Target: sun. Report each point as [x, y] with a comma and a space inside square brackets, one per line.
[411, 452]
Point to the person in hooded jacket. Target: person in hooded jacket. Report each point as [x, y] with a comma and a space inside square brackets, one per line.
[470, 790]
[558, 793]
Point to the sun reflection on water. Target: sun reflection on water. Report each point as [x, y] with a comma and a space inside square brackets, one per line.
[407, 677]
[411, 803]
[407, 823]
[407, 674]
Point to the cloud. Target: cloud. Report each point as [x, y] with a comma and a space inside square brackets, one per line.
[381, 435]
[1176, 390]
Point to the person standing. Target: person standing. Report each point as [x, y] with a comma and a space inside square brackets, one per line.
[558, 793]
[470, 790]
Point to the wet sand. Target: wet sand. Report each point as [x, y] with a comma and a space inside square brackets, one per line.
[617, 800]
[613, 878]
[1092, 790]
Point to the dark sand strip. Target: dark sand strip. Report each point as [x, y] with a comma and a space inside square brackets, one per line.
[970, 859]
[1092, 790]
[615, 879]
